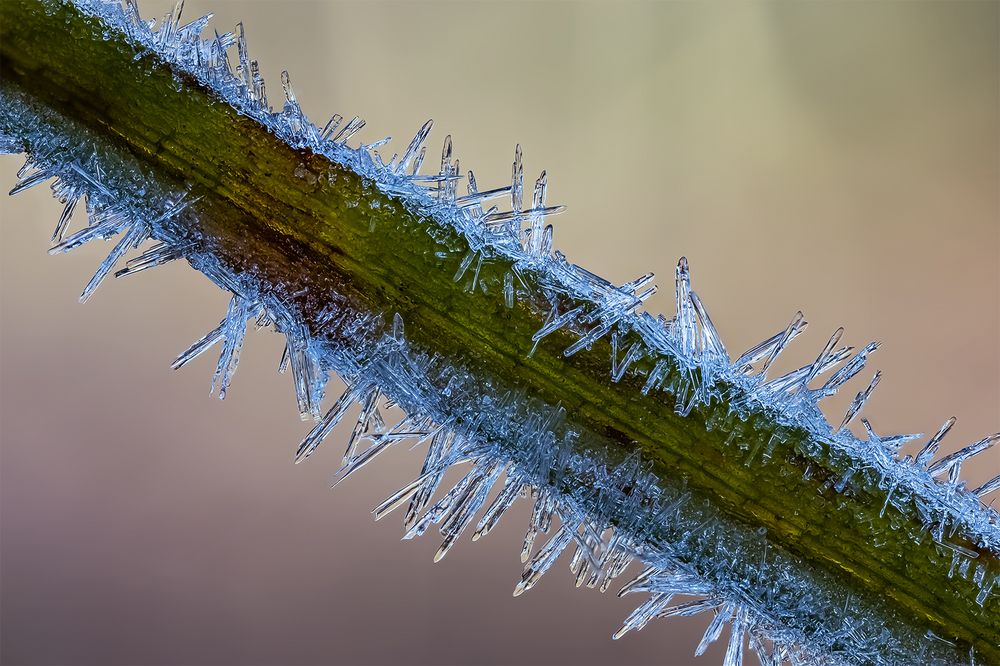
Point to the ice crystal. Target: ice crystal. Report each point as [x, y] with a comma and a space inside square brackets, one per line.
[608, 516]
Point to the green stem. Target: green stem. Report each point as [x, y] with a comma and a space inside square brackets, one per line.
[298, 218]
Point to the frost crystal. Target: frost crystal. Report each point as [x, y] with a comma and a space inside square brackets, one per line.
[606, 515]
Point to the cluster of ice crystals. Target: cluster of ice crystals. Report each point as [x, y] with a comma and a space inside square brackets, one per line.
[607, 516]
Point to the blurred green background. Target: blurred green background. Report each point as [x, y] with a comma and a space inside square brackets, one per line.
[838, 157]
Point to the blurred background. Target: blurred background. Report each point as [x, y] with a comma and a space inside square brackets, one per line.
[842, 158]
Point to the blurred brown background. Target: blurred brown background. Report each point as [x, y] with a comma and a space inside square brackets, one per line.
[841, 158]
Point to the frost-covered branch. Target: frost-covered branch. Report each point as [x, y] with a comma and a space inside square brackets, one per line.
[637, 436]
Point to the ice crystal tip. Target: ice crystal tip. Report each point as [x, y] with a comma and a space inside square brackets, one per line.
[608, 514]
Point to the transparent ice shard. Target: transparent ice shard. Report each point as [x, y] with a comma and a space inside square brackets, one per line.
[988, 487]
[30, 180]
[475, 198]
[711, 341]
[545, 558]
[211, 338]
[157, 255]
[234, 331]
[556, 323]
[890, 444]
[460, 515]
[963, 454]
[353, 126]
[70, 195]
[136, 234]
[644, 613]
[824, 356]
[503, 501]
[398, 498]
[859, 401]
[331, 127]
[536, 215]
[515, 215]
[715, 627]
[849, 370]
[930, 449]
[592, 336]
[685, 322]
[415, 147]
[508, 289]
[517, 182]
[326, 425]
[796, 326]
[464, 265]
[633, 354]
[689, 608]
[734, 650]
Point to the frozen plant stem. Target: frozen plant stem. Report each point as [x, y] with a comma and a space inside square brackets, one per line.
[728, 488]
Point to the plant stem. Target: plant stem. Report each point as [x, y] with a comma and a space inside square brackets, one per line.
[297, 218]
